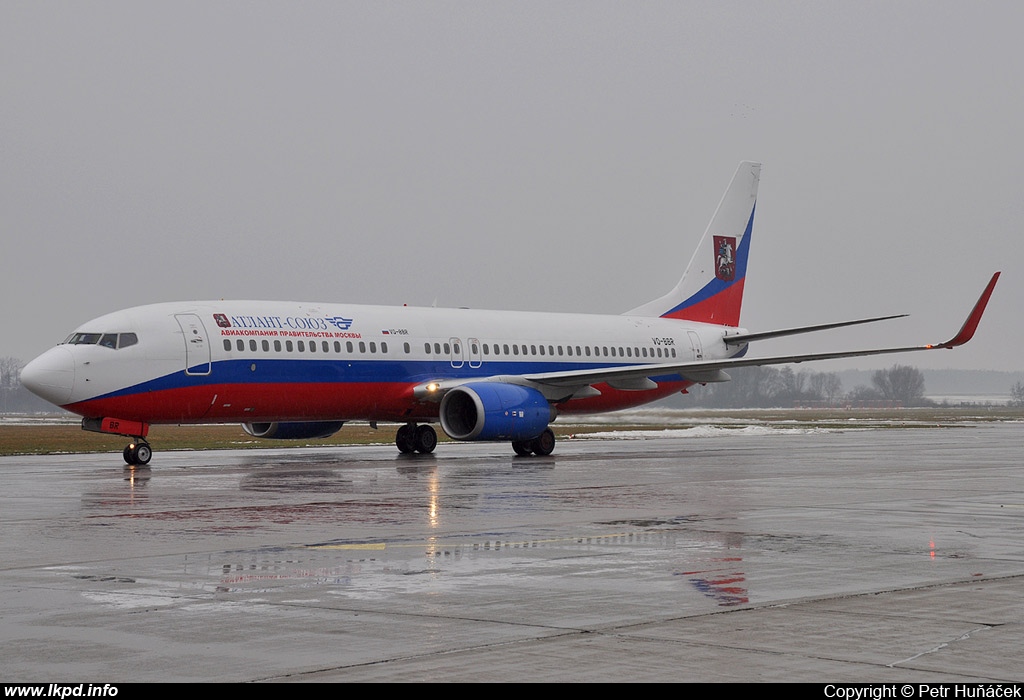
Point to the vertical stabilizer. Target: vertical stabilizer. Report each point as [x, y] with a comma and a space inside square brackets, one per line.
[711, 289]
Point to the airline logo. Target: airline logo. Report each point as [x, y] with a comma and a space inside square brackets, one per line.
[725, 258]
[305, 323]
[340, 322]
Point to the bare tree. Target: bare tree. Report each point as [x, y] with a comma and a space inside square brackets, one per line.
[900, 383]
[1017, 394]
[10, 371]
[825, 385]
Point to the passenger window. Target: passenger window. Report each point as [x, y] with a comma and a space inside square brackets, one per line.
[227, 345]
[312, 346]
[240, 344]
[301, 345]
[373, 348]
[487, 349]
[348, 346]
[337, 347]
[447, 349]
[325, 346]
[505, 348]
[277, 346]
[288, 345]
[437, 348]
[266, 346]
[252, 346]
[408, 349]
[383, 348]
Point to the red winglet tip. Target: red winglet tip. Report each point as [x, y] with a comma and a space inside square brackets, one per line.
[971, 324]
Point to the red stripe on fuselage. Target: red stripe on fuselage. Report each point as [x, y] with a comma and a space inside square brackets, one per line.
[244, 403]
[232, 403]
[617, 399]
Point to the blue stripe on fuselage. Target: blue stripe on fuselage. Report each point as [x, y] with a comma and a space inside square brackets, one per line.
[342, 371]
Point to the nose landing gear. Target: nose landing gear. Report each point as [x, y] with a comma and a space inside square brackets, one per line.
[138, 454]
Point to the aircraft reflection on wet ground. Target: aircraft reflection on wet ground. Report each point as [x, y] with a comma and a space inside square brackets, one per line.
[859, 550]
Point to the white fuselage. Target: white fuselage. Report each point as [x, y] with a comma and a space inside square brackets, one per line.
[229, 361]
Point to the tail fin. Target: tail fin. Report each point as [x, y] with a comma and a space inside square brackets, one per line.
[711, 290]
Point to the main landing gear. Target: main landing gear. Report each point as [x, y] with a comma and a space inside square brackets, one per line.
[423, 439]
[542, 445]
[416, 438]
[138, 454]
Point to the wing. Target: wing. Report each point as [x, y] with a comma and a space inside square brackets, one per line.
[560, 386]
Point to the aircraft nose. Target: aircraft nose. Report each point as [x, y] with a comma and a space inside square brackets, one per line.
[51, 375]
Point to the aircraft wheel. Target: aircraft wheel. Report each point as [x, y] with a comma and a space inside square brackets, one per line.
[544, 444]
[128, 455]
[522, 447]
[425, 439]
[141, 454]
[405, 440]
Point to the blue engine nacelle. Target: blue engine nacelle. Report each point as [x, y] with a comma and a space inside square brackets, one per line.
[293, 431]
[493, 411]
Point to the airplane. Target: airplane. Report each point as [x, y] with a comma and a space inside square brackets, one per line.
[300, 370]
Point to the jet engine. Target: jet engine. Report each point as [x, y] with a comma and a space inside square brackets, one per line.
[293, 431]
[494, 411]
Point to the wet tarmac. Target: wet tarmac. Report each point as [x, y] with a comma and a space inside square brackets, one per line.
[823, 556]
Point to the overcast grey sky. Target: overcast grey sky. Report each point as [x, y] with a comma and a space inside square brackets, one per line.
[561, 156]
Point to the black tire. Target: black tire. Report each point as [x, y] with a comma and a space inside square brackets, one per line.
[544, 444]
[405, 440]
[142, 453]
[426, 439]
[128, 455]
[522, 448]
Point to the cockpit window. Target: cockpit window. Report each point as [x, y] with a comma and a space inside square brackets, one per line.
[106, 340]
[83, 339]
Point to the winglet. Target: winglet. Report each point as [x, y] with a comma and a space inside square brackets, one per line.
[971, 324]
